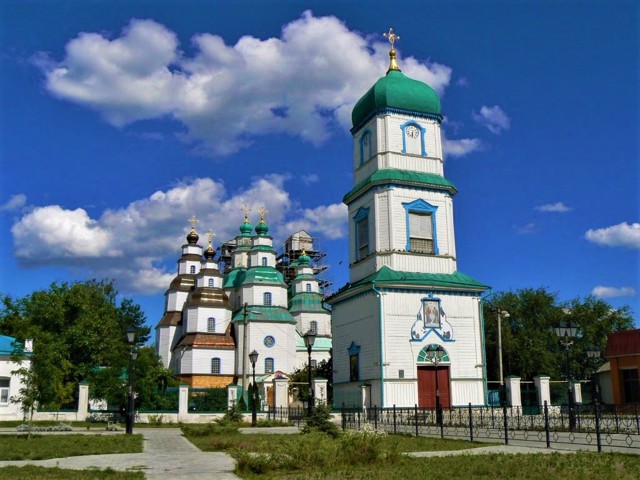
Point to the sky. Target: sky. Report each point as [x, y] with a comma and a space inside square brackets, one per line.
[120, 119]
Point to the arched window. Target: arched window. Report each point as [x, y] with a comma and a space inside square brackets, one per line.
[264, 261]
[266, 299]
[308, 287]
[192, 269]
[366, 149]
[421, 227]
[268, 365]
[211, 282]
[313, 326]
[413, 138]
[211, 325]
[215, 365]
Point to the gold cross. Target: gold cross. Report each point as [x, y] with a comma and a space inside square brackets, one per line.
[262, 211]
[246, 211]
[210, 236]
[193, 220]
[391, 36]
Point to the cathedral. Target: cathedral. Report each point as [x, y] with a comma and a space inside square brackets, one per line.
[406, 330]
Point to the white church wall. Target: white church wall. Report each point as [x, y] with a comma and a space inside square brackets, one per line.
[401, 393]
[198, 361]
[254, 294]
[184, 267]
[303, 323]
[409, 262]
[175, 301]
[414, 163]
[164, 342]
[8, 409]
[283, 351]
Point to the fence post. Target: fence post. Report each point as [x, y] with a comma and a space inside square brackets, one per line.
[344, 418]
[637, 419]
[470, 422]
[394, 419]
[506, 424]
[442, 422]
[416, 416]
[598, 441]
[615, 414]
[546, 424]
[375, 417]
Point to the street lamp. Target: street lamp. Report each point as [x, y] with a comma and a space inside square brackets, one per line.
[593, 353]
[131, 337]
[245, 313]
[501, 314]
[435, 356]
[567, 331]
[309, 340]
[253, 358]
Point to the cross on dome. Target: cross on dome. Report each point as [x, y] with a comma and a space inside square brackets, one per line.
[262, 211]
[245, 208]
[193, 221]
[391, 36]
[210, 236]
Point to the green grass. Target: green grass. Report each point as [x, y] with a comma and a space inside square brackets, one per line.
[41, 447]
[31, 472]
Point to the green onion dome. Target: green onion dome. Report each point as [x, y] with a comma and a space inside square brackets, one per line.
[246, 228]
[304, 259]
[262, 229]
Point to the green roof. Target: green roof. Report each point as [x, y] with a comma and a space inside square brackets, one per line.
[396, 90]
[263, 248]
[321, 344]
[386, 277]
[307, 302]
[261, 313]
[400, 177]
[234, 278]
[262, 275]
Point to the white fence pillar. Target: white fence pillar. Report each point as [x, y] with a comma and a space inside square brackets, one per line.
[542, 386]
[577, 392]
[183, 403]
[320, 394]
[83, 401]
[514, 398]
[281, 392]
[232, 395]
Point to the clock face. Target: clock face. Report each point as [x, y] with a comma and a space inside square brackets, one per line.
[412, 131]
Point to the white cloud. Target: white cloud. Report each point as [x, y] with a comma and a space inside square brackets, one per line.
[609, 292]
[621, 235]
[329, 220]
[133, 244]
[558, 207]
[16, 202]
[527, 229]
[300, 84]
[310, 178]
[494, 118]
[461, 147]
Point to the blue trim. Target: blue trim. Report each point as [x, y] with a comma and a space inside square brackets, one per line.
[429, 332]
[361, 214]
[423, 133]
[422, 206]
[389, 185]
[354, 348]
[366, 133]
[385, 110]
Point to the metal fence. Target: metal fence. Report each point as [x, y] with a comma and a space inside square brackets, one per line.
[587, 426]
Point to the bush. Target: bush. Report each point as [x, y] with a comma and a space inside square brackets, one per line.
[364, 445]
[320, 421]
[232, 415]
[61, 427]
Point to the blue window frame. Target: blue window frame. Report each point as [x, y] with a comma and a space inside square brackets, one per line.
[264, 261]
[361, 225]
[269, 365]
[215, 365]
[419, 129]
[354, 362]
[211, 325]
[421, 227]
[266, 299]
[366, 146]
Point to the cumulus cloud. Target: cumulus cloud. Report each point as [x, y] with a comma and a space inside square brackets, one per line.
[558, 207]
[133, 244]
[461, 147]
[16, 202]
[621, 235]
[493, 118]
[610, 292]
[301, 83]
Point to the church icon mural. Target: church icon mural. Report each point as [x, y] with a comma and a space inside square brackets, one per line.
[431, 318]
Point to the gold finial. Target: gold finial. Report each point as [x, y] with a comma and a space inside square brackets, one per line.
[245, 208]
[210, 236]
[392, 37]
[193, 221]
[304, 252]
[262, 211]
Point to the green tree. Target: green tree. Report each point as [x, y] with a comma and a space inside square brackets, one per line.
[530, 345]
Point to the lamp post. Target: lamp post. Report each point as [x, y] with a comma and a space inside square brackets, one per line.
[501, 314]
[131, 337]
[309, 339]
[593, 353]
[253, 358]
[567, 331]
[435, 356]
[245, 314]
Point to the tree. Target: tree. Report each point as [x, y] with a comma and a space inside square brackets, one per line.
[530, 345]
[300, 378]
[79, 333]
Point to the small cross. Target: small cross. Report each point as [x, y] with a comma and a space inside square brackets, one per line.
[262, 211]
[245, 208]
[193, 221]
[210, 236]
[391, 36]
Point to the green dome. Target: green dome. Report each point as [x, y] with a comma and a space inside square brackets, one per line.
[395, 90]
[304, 260]
[262, 228]
[246, 229]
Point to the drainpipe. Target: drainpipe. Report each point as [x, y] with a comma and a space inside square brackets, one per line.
[379, 295]
[484, 349]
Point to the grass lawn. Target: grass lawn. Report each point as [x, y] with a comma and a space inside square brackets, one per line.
[28, 472]
[41, 447]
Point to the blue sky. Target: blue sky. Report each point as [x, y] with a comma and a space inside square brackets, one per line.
[119, 120]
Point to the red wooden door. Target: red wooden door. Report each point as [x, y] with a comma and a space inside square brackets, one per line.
[427, 386]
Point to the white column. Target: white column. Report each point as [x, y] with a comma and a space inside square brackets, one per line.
[320, 390]
[232, 395]
[281, 392]
[542, 386]
[514, 399]
[83, 401]
[577, 392]
[183, 403]
[365, 393]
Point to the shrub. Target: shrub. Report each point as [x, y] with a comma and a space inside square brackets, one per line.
[320, 421]
[232, 415]
[364, 445]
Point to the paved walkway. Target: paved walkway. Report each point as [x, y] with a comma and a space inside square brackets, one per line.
[166, 454]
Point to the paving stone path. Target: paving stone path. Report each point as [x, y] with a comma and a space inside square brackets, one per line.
[166, 454]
